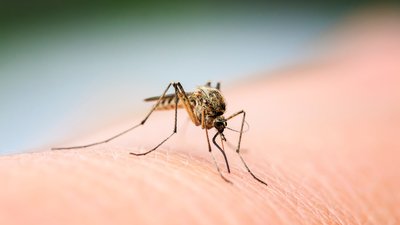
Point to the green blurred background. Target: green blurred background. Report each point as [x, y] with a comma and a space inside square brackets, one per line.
[71, 67]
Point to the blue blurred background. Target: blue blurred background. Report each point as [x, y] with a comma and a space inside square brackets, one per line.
[69, 66]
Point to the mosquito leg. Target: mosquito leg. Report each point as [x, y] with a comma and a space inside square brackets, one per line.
[222, 151]
[123, 132]
[251, 173]
[218, 87]
[188, 106]
[175, 126]
[238, 146]
[180, 95]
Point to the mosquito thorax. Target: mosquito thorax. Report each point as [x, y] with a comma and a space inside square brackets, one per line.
[209, 100]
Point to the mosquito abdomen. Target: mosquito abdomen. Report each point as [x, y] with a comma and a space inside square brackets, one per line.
[166, 103]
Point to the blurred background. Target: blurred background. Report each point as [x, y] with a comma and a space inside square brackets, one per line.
[68, 68]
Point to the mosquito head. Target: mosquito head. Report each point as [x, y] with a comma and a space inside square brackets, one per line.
[220, 124]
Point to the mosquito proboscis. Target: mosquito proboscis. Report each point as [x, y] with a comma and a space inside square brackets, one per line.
[205, 107]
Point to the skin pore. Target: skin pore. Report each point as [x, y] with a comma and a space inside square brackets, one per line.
[323, 135]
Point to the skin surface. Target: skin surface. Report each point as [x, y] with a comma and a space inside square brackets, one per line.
[323, 135]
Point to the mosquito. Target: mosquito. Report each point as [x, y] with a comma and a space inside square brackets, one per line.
[205, 107]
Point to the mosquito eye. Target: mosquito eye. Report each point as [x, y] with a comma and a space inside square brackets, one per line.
[219, 124]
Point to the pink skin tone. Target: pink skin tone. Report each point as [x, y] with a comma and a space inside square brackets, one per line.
[323, 135]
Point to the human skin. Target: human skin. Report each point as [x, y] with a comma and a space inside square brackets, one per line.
[323, 135]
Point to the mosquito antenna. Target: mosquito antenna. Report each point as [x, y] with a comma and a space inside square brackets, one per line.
[232, 129]
[244, 131]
